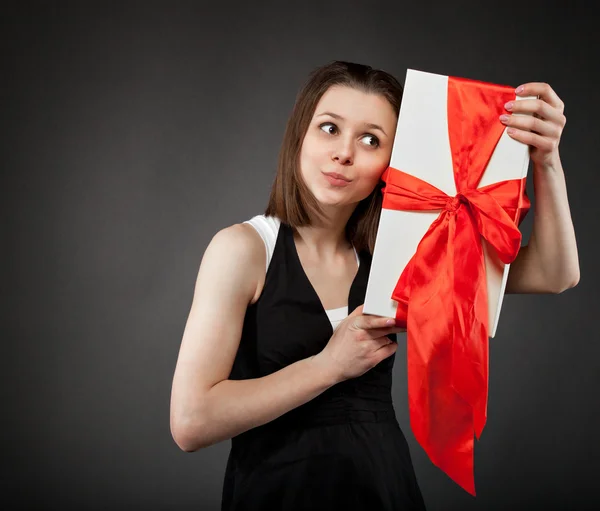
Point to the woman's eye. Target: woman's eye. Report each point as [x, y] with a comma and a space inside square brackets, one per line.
[329, 127]
[374, 140]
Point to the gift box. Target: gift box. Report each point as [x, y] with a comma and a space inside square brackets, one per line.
[453, 199]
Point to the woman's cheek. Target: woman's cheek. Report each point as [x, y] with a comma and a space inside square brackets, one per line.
[378, 170]
[368, 183]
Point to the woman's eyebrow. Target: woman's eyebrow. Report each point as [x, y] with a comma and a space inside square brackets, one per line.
[367, 124]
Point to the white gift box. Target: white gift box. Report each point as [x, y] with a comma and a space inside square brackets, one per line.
[422, 148]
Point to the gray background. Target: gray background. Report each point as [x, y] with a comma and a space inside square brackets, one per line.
[133, 131]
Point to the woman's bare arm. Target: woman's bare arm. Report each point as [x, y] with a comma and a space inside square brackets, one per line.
[207, 407]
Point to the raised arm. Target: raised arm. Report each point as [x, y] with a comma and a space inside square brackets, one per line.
[207, 407]
[550, 262]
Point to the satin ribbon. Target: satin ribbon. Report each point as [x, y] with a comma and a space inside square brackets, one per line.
[442, 292]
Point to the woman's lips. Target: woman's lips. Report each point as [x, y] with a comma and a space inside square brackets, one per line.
[336, 179]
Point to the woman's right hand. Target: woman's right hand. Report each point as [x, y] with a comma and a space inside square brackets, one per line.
[358, 344]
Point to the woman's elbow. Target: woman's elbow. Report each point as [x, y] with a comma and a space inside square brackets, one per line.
[568, 283]
[187, 436]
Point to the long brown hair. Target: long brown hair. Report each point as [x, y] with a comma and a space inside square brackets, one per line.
[291, 200]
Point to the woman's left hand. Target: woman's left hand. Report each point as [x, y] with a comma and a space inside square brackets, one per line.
[542, 129]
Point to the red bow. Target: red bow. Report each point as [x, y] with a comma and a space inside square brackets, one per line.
[442, 293]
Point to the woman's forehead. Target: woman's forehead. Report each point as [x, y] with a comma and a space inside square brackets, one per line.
[356, 105]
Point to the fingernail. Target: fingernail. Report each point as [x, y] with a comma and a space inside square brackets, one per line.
[390, 322]
[509, 105]
[519, 89]
[504, 118]
[511, 131]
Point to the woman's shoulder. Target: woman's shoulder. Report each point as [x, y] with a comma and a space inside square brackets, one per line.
[235, 252]
[251, 233]
[267, 226]
[239, 239]
[250, 243]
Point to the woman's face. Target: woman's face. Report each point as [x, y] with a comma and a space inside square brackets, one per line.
[351, 134]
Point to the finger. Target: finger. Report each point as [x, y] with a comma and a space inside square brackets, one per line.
[387, 349]
[366, 322]
[378, 342]
[529, 123]
[544, 91]
[375, 333]
[535, 106]
[533, 139]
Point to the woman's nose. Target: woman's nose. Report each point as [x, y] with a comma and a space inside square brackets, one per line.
[343, 152]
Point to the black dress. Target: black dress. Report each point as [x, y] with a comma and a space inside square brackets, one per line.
[344, 449]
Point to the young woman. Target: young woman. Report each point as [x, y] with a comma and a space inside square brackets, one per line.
[276, 353]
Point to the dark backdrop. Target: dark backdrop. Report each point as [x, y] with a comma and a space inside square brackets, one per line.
[134, 131]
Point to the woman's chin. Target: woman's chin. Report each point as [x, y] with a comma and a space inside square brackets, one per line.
[337, 202]
[331, 198]
[338, 197]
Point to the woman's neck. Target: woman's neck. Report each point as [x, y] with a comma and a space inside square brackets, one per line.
[326, 238]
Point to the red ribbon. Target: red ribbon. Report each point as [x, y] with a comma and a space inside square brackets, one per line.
[442, 292]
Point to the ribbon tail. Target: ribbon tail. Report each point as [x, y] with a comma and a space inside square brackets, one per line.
[470, 353]
[441, 420]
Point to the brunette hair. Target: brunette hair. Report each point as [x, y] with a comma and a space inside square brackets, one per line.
[290, 199]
